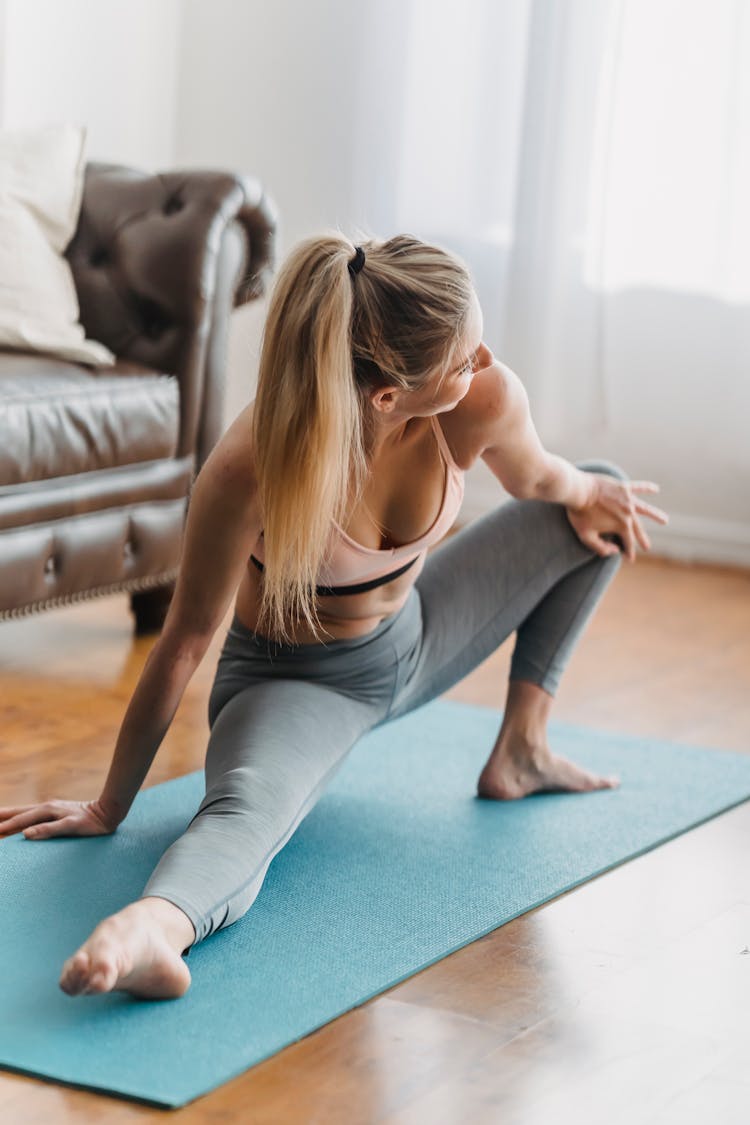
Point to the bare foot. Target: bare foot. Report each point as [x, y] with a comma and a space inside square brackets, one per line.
[517, 767]
[127, 952]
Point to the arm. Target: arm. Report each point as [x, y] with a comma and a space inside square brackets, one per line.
[510, 446]
[223, 524]
[222, 527]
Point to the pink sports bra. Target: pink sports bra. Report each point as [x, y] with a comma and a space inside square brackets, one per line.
[353, 569]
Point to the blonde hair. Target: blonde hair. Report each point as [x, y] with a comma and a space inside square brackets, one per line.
[329, 339]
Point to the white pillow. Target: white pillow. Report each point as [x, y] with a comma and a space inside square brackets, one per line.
[41, 187]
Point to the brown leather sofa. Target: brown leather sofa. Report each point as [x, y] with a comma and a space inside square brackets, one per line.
[96, 463]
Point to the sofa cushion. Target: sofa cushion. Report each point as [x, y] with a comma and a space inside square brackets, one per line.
[41, 185]
[59, 419]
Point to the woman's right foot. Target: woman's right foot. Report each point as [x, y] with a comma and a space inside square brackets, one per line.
[518, 767]
[127, 952]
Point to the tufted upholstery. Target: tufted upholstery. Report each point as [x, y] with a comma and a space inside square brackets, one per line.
[96, 463]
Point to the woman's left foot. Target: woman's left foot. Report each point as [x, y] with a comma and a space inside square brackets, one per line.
[517, 768]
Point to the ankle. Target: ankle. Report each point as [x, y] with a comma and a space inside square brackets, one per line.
[521, 747]
[173, 922]
[526, 713]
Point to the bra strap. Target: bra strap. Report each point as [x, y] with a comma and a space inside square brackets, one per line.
[443, 444]
[360, 587]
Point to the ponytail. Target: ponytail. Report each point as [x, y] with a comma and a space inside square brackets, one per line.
[307, 426]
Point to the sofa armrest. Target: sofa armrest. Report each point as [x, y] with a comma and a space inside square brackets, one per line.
[159, 262]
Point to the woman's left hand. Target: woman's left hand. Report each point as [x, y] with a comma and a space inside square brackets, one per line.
[613, 508]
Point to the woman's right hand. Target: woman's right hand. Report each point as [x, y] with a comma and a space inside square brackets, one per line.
[57, 818]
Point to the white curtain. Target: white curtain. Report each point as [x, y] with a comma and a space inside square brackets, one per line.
[590, 160]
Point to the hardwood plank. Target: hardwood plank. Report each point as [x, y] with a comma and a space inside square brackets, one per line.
[571, 1067]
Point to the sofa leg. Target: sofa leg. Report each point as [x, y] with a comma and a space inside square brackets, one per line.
[150, 608]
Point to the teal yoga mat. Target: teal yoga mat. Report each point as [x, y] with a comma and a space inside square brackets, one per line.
[397, 865]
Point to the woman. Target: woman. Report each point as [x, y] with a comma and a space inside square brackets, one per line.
[376, 393]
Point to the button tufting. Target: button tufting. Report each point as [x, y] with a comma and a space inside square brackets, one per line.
[100, 257]
[154, 320]
[174, 203]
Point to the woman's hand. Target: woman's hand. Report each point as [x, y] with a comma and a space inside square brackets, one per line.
[57, 818]
[613, 508]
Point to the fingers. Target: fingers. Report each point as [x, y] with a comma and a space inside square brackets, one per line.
[18, 824]
[10, 811]
[605, 548]
[24, 816]
[628, 533]
[644, 485]
[635, 529]
[641, 505]
[628, 538]
[54, 818]
[50, 828]
[619, 499]
[641, 535]
[594, 541]
[648, 510]
[624, 509]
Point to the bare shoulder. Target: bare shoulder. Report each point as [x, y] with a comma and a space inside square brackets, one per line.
[470, 426]
[231, 463]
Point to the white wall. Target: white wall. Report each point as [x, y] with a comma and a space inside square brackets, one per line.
[264, 88]
[108, 64]
[267, 89]
[111, 65]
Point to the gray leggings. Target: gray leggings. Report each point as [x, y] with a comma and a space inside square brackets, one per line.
[284, 717]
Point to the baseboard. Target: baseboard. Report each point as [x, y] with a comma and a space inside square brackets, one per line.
[700, 539]
[685, 538]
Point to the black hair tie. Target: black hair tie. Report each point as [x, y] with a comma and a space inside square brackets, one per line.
[356, 263]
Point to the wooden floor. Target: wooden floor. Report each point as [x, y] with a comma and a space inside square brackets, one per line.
[626, 1000]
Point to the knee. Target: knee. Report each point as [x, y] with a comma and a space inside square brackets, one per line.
[244, 791]
[600, 466]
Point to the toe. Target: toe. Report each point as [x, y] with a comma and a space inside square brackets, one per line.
[606, 783]
[72, 973]
[105, 969]
[102, 979]
[567, 775]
